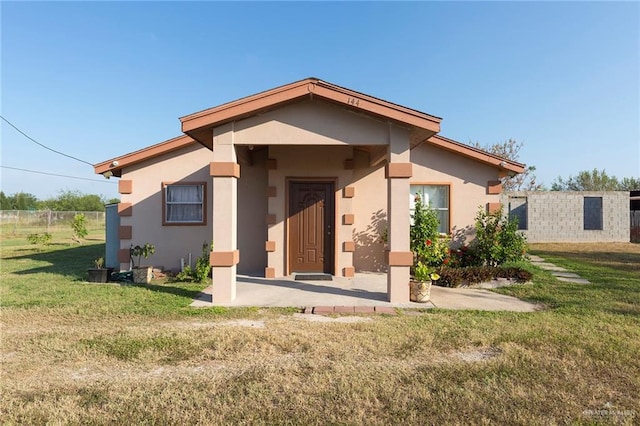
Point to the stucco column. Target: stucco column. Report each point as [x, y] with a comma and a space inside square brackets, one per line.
[398, 171]
[225, 172]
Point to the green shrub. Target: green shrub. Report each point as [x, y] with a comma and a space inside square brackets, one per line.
[79, 227]
[43, 239]
[450, 277]
[199, 273]
[138, 251]
[463, 257]
[425, 242]
[455, 277]
[497, 239]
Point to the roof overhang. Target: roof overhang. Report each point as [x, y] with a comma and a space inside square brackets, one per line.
[200, 124]
[503, 164]
[114, 166]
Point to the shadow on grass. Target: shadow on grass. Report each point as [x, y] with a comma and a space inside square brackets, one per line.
[71, 262]
[176, 291]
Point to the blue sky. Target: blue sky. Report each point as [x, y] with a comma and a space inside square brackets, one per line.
[100, 79]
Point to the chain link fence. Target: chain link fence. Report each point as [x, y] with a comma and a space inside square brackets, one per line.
[20, 223]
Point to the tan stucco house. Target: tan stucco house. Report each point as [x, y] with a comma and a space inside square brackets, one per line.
[305, 177]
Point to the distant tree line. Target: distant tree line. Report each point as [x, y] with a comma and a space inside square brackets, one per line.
[64, 201]
[586, 180]
[595, 180]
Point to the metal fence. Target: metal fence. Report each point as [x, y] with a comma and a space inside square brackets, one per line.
[24, 222]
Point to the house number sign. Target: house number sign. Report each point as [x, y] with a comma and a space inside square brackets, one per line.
[353, 101]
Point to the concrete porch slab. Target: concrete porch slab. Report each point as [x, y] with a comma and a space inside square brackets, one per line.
[363, 290]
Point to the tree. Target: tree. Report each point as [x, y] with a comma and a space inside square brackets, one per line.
[18, 201]
[630, 184]
[4, 201]
[595, 180]
[74, 201]
[510, 150]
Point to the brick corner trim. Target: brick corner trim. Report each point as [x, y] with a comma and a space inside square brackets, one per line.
[124, 255]
[224, 258]
[493, 207]
[348, 219]
[399, 170]
[349, 192]
[125, 232]
[125, 186]
[349, 164]
[400, 258]
[125, 209]
[494, 187]
[224, 169]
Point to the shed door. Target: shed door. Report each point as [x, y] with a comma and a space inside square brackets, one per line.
[311, 227]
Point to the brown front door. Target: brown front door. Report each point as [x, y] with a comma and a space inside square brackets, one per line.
[311, 227]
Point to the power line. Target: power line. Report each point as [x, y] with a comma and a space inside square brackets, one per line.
[54, 174]
[44, 146]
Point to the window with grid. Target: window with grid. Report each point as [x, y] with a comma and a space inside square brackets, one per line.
[184, 203]
[437, 196]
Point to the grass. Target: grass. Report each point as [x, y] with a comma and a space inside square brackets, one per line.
[82, 353]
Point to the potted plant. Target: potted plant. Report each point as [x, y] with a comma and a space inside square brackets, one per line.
[141, 274]
[99, 274]
[420, 284]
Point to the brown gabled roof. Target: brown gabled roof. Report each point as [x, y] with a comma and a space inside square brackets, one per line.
[115, 165]
[200, 124]
[476, 154]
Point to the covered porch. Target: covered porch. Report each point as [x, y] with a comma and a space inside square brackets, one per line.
[316, 142]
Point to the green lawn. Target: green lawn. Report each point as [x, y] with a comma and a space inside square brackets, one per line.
[81, 353]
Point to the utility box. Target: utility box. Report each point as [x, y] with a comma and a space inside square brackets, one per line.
[112, 238]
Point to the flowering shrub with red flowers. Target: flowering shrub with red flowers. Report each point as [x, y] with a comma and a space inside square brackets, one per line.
[428, 247]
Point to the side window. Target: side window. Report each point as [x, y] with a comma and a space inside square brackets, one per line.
[593, 213]
[184, 204]
[437, 196]
[518, 210]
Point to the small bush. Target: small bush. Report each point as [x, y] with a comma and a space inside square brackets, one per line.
[79, 227]
[199, 273]
[497, 239]
[43, 239]
[455, 277]
[450, 277]
[428, 247]
[464, 257]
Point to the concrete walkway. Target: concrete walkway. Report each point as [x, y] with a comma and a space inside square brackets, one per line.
[560, 273]
[363, 293]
